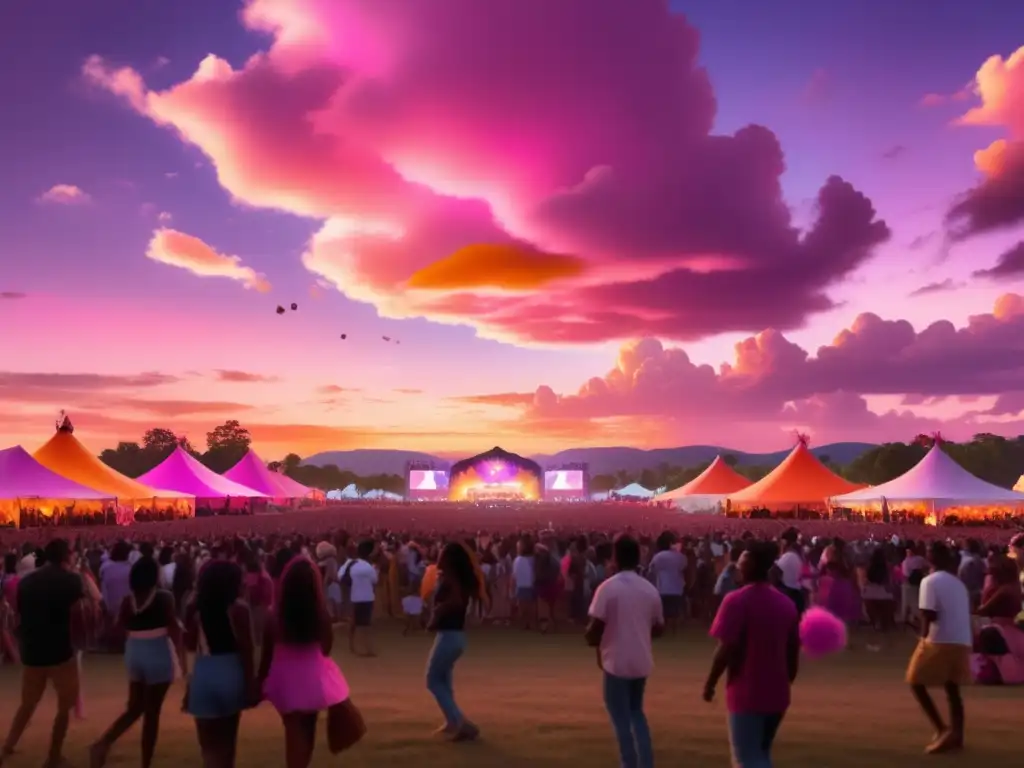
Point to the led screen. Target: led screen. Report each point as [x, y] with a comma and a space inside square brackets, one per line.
[428, 482]
[563, 480]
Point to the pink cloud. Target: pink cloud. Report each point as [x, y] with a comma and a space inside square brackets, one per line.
[1009, 265]
[774, 385]
[997, 201]
[64, 194]
[176, 249]
[413, 130]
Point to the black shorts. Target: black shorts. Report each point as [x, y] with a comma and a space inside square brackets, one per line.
[672, 606]
[362, 614]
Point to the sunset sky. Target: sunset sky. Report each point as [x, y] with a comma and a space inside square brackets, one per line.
[587, 222]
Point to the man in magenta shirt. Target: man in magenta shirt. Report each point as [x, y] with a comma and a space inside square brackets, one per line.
[759, 648]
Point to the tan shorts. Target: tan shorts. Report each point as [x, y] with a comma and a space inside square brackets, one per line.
[65, 683]
[937, 664]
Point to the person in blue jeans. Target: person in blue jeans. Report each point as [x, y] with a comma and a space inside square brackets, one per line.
[757, 630]
[458, 583]
[626, 613]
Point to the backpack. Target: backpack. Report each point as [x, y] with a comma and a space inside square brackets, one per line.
[346, 576]
[916, 577]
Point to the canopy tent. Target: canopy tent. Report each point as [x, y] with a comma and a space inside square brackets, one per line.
[1020, 484]
[633, 491]
[66, 456]
[382, 495]
[182, 472]
[348, 492]
[799, 479]
[707, 491]
[252, 473]
[24, 480]
[939, 481]
[295, 489]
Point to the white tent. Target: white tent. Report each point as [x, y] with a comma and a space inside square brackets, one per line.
[633, 491]
[1020, 484]
[938, 480]
[380, 494]
[348, 492]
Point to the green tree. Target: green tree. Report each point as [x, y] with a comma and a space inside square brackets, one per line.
[291, 462]
[226, 445]
[127, 458]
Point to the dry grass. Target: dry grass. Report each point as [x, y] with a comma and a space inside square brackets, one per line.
[538, 702]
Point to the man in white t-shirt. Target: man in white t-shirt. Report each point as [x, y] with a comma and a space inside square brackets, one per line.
[360, 576]
[791, 569]
[942, 657]
[625, 615]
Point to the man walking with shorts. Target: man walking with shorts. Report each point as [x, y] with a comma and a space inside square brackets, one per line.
[942, 657]
[50, 611]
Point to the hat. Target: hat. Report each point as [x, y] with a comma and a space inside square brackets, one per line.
[325, 550]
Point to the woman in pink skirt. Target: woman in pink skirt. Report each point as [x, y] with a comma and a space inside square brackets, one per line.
[299, 677]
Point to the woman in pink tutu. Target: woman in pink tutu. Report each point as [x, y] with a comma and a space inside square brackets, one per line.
[299, 677]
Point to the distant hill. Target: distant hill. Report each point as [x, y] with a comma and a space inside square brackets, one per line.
[372, 461]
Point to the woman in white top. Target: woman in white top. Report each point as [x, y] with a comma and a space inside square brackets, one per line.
[523, 582]
[361, 578]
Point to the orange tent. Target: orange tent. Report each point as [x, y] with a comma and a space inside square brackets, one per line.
[717, 480]
[800, 479]
[66, 456]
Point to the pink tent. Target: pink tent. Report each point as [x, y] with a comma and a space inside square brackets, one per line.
[295, 488]
[250, 471]
[22, 477]
[180, 472]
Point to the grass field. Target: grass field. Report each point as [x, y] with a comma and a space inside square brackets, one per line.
[538, 702]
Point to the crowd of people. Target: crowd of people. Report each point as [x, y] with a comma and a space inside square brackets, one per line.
[246, 609]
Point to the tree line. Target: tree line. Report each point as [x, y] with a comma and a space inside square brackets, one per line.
[995, 459]
[225, 447]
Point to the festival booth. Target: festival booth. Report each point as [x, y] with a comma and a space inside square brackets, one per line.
[66, 456]
[937, 487]
[800, 482]
[633, 492]
[252, 472]
[28, 488]
[706, 493]
[183, 473]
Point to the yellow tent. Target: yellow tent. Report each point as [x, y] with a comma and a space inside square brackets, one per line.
[66, 456]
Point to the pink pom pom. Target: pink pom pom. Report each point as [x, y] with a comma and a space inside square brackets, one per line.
[821, 633]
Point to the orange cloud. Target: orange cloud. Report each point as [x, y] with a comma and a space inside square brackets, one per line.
[64, 194]
[1000, 84]
[997, 201]
[244, 377]
[177, 249]
[505, 266]
[500, 399]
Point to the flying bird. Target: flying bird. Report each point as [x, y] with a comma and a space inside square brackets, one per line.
[294, 306]
[344, 336]
[280, 310]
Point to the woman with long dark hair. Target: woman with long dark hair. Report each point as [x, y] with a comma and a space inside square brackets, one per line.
[151, 657]
[458, 582]
[223, 684]
[298, 675]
